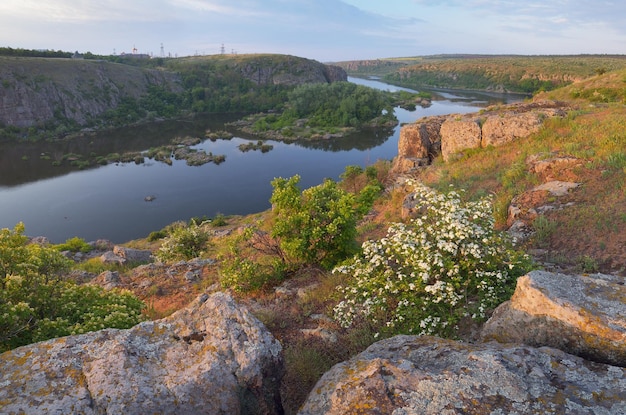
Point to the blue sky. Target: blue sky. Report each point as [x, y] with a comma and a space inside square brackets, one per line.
[326, 30]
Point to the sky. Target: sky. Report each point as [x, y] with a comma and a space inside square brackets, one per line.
[325, 30]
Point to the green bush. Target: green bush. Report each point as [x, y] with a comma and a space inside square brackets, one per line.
[317, 225]
[183, 243]
[156, 235]
[37, 304]
[428, 274]
[75, 244]
[245, 275]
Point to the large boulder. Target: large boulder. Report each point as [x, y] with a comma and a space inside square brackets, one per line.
[582, 315]
[212, 357]
[418, 143]
[458, 134]
[427, 375]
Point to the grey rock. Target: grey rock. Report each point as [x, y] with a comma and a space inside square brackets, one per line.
[427, 375]
[133, 255]
[109, 257]
[108, 280]
[212, 357]
[582, 315]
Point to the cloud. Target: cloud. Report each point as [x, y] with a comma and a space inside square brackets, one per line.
[320, 29]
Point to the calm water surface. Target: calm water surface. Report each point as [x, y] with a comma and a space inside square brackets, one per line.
[108, 201]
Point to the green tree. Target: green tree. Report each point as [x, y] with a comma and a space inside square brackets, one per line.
[317, 225]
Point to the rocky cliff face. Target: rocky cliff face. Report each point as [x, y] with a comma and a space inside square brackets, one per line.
[34, 90]
[289, 70]
[212, 357]
[448, 135]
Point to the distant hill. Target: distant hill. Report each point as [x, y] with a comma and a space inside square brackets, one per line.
[503, 73]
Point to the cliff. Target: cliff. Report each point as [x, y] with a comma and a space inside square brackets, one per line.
[52, 91]
[35, 91]
[287, 70]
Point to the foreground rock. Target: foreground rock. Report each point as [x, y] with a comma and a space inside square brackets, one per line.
[427, 375]
[582, 315]
[210, 358]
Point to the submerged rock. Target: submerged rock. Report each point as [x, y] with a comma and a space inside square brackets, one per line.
[212, 357]
[427, 375]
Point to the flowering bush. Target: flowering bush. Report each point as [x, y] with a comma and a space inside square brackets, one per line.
[426, 275]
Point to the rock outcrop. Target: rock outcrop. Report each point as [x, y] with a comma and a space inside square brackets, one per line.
[122, 255]
[419, 143]
[458, 134]
[427, 375]
[212, 357]
[425, 139]
[582, 315]
[289, 70]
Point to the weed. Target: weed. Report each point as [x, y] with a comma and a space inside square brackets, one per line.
[544, 228]
[616, 161]
[587, 264]
[219, 220]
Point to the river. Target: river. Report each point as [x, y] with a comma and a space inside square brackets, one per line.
[107, 202]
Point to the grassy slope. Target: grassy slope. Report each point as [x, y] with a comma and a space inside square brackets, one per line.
[594, 227]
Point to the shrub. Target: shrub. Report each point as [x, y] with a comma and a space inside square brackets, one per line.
[156, 235]
[317, 225]
[428, 274]
[37, 304]
[75, 244]
[183, 243]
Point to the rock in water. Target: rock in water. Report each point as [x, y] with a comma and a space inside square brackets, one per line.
[582, 315]
[427, 375]
[212, 357]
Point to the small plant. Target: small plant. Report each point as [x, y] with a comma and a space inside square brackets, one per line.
[544, 228]
[254, 262]
[156, 235]
[587, 264]
[219, 220]
[183, 243]
[425, 276]
[75, 244]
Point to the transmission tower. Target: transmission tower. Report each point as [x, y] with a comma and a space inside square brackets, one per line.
[162, 51]
[222, 49]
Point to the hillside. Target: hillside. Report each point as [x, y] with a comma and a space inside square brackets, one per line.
[502, 73]
[52, 96]
[38, 91]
